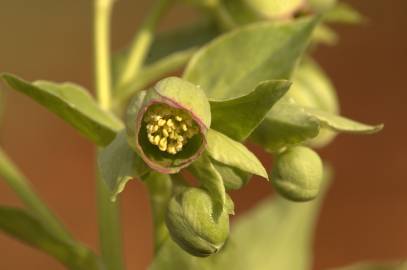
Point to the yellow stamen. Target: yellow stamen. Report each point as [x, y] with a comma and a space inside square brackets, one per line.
[169, 128]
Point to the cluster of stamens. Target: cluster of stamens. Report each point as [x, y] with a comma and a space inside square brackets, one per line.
[169, 128]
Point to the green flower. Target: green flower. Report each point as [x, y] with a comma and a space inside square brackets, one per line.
[167, 124]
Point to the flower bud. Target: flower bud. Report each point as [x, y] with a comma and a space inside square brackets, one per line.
[297, 174]
[167, 124]
[192, 224]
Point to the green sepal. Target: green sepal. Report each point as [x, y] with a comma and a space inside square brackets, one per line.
[271, 54]
[118, 164]
[73, 104]
[193, 226]
[297, 174]
[211, 180]
[29, 229]
[234, 154]
[238, 117]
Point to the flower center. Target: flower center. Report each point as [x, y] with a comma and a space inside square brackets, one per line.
[169, 128]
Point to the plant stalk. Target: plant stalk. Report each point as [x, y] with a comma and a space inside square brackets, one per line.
[141, 43]
[108, 211]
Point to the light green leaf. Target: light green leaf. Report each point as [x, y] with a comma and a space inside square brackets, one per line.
[343, 13]
[238, 117]
[211, 180]
[312, 88]
[30, 230]
[272, 53]
[233, 178]
[277, 234]
[118, 164]
[73, 104]
[285, 124]
[402, 265]
[342, 124]
[234, 154]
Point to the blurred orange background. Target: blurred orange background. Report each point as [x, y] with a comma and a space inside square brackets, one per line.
[365, 214]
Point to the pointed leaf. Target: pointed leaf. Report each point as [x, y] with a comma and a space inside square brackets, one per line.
[118, 164]
[30, 230]
[286, 124]
[343, 13]
[272, 53]
[73, 104]
[211, 180]
[232, 153]
[342, 124]
[233, 178]
[238, 117]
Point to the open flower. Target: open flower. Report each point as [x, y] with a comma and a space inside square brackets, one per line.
[167, 124]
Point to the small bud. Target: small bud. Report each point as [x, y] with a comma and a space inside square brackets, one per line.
[297, 174]
[192, 225]
[167, 124]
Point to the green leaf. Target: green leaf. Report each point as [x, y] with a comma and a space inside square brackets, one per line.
[73, 104]
[272, 53]
[30, 230]
[211, 180]
[118, 164]
[233, 178]
[312, 88]
[238, 117]
[342, 124]
[234, 154]
[277, 234]
[343, 13]
[402, 265]
[285, 124]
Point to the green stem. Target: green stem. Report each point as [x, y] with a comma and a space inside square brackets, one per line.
[109, 223]
[11, 175]
[141, 43]
[159, 187]
[152, 72]
[103, 10]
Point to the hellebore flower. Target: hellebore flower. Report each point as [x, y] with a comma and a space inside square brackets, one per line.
[167, 124]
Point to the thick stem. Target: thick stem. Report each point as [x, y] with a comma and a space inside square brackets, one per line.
[109, 224]
[141, 43]
[159, 187]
